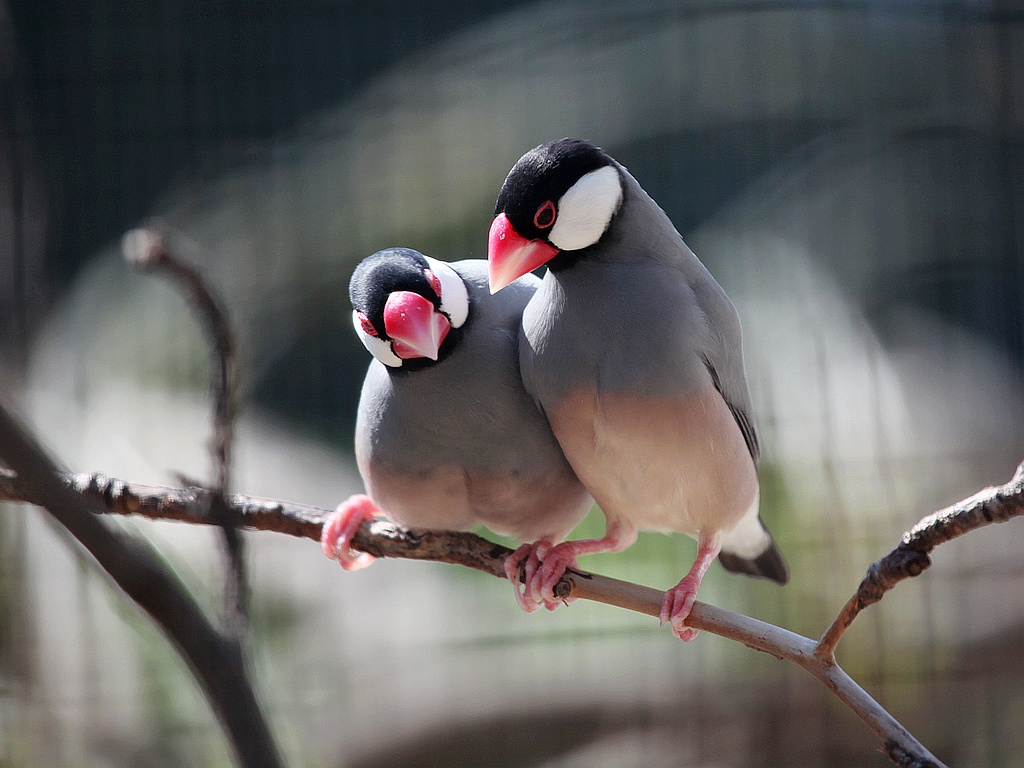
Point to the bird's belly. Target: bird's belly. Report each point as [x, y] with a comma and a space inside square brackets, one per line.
[666, 463]
[530, 506]
[432, 498]
[508, 501]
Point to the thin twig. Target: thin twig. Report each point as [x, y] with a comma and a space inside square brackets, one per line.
[995, 504]
[383, 539]
[216, 661]
[148, 249]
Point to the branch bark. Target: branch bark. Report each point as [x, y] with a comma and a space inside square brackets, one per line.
[995, 504]
[383, 539]
[217, 662]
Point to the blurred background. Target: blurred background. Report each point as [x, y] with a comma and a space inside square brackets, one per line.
[851, 172]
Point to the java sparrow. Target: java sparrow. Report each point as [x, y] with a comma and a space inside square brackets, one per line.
[633, 351]
[446, 437]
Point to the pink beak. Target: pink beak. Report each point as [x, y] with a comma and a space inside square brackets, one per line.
[510, 255]
[416, 328]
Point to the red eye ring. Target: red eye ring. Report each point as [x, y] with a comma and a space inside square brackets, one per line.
[367, 326]
[545, 216]
[434, 280]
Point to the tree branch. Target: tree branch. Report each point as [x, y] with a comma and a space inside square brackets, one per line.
[217, 662]
[383, 539]
[149, 250]
[995, 504]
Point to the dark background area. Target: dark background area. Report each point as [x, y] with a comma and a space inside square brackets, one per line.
[125, 97]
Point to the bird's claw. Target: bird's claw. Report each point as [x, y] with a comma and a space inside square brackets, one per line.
[524, 569]
[676, 607]
[555, 562]
[340, 528]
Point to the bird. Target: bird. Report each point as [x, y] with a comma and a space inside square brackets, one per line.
[446, 437]
[634, 353]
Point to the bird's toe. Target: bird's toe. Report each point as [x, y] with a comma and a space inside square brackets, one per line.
[340, 528]
[676, 607]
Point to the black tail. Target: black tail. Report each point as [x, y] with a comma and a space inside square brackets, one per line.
[768, 565]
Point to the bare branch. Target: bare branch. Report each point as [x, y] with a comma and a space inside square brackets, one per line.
[995, 504]
[383, 539]
[148, 249]
[217, 662]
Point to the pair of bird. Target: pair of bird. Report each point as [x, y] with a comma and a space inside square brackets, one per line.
[500, 399]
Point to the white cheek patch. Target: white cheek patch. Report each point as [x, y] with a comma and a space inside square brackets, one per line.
[586, 209]
[379, 348]
[454, 297]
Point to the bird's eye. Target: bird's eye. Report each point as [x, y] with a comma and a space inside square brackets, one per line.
[545, 215]
[434, 280]
[364, 321]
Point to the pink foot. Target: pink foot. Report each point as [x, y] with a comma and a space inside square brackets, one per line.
[677, 605]
[619, 534]
[680, 599]
[528, 559]
[555, 563]
[340, 527]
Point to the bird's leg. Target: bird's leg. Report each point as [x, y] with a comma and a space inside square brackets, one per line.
[341, 526]
[679, 600]
[528, 599]
[618, 535]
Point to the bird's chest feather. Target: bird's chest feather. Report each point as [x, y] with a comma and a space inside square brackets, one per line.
[666, 463]
[614, 355]
[620, 328]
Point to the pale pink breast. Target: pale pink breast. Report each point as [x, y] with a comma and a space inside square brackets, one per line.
[667, 464]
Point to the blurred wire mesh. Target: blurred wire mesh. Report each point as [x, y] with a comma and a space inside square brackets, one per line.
[852, 172]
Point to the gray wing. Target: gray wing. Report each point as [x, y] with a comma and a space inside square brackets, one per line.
[723, 357]
[741, 414]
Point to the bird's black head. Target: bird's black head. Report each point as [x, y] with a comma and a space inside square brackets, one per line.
[378, 276]
[405, 304]
[540, 179]
[559, 198]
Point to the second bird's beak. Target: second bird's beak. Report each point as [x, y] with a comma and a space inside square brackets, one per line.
[510, 255]
[417, 329]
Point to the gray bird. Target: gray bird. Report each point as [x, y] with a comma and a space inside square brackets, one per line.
[634, 353]
[446, 436]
